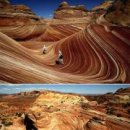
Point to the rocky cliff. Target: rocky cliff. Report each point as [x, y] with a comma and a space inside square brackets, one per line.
[119, 13]
[66, 11]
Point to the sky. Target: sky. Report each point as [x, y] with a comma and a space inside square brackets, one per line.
[45, 8]
[74, 88]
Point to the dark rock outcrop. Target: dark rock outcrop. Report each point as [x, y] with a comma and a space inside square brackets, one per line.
[122, 91]
[119, 13]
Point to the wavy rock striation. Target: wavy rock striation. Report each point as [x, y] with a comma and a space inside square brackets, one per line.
[48, 110]
[66, 111]
[89, 56]
[59, 111]
[98, 53]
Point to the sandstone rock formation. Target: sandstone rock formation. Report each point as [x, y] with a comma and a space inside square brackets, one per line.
[54, 110]
[99, 10]
[13, 17]
[16, 14]
[82, 49]
[104, 6]
[82, 44]
[17, 124]
[60, 111]
[67, 11]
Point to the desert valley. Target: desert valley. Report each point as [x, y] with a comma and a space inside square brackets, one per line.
[95, 44]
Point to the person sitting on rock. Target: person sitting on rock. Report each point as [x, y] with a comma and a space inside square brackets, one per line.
[60, 58]
[44, 50]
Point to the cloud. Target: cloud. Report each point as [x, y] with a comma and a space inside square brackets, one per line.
[17, 88]
[6, 88]
[50, 15]
[12, 85]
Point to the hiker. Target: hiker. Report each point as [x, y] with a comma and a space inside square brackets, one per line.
[44, 50]
[60, 58]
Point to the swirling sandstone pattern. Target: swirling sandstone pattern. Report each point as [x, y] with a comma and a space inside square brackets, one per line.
[23, 32]
[97, 54]
[55, 111]
[49, 110]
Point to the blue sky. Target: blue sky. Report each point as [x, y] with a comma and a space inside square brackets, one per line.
[45, 8]
[81, 89]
